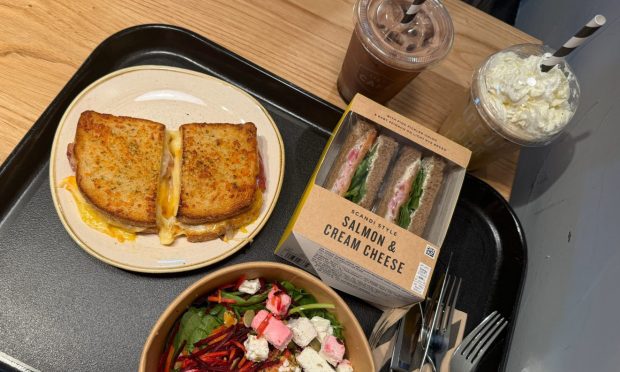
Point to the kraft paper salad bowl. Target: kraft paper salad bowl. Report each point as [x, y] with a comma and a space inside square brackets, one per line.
[357, 347]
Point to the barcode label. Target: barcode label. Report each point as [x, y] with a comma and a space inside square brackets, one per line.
[299, 261]
[421, 276]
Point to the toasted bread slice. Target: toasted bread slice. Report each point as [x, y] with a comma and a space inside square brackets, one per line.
[118, 161]
[218, 171]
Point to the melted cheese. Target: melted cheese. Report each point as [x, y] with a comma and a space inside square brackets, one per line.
[169, 189]
[233, 223]
[95, 219]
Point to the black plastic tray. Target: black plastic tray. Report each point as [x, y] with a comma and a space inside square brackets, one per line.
[61, 309]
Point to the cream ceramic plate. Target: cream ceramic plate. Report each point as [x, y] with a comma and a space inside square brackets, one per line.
[171, 96]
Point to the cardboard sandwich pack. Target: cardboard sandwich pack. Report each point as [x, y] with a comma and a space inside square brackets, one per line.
[378, 205]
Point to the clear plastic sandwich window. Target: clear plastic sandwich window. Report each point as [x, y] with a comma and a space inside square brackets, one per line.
[392, 176]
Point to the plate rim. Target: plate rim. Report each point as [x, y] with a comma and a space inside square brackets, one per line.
[162, 270]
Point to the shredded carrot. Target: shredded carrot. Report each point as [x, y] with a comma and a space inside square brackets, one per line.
[218, 333]
[221, 300]
[216, 354]
[216, 340]
[169, 359]
[213, 357]
[218, 330]
[242, 362]
[239, 345]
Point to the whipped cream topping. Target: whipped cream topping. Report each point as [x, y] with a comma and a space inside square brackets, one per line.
[532, 104]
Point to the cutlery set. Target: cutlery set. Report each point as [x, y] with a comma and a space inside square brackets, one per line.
[426, 333]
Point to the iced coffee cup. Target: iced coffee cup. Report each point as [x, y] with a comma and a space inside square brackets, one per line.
[512, 103]
[386, 52]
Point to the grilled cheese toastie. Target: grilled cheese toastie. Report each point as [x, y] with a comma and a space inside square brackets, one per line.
[117, 163]
[132, 176]
[216, 188]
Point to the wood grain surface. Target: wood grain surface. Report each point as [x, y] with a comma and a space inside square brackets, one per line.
[42, 43]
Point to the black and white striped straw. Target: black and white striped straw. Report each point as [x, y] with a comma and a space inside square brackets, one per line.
[411, 12]
[575, 41]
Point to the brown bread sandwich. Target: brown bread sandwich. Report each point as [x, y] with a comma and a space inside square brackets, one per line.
[411, 190]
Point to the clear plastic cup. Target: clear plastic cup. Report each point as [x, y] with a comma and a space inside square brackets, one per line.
[384, 55]
[492, 127]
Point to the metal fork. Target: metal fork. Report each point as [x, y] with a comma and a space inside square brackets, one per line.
[439, 330]
[468, 354]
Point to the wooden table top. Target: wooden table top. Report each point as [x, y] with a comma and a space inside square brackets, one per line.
[43, 42]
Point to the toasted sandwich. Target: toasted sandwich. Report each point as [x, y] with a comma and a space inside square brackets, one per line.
[215, 189]
[117, 163]
[132, 176]
[354, 149]
[369, 174]
[218, 171]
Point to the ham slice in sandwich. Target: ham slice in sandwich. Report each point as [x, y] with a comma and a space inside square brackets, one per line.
[361, 165]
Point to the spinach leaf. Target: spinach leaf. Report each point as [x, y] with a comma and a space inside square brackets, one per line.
[290, 288]
[404, 215]
[197, 335]
[298, 295]
[357, 189]
[195, 325]
[218, 311]
[209, 323]
[243, 309]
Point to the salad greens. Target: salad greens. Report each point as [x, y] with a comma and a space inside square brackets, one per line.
[301, 308]
[302, 298]
[413, 202]
[210, 335]
[197, 324]
[253, 302]
[357, 189]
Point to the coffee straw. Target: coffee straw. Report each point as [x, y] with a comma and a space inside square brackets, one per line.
[575, 41]
[411, 12]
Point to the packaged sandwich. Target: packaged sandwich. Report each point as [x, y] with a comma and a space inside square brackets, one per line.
[378, 206]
